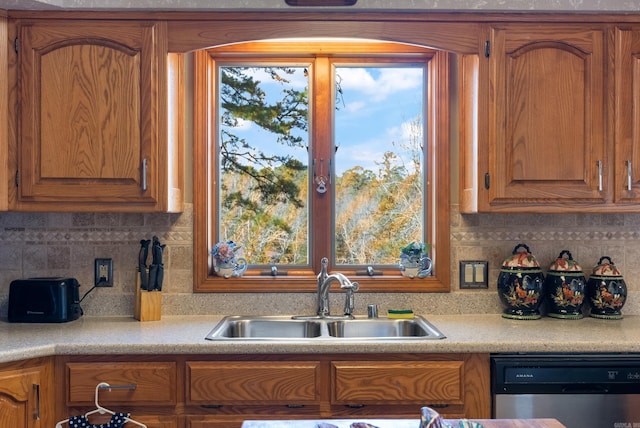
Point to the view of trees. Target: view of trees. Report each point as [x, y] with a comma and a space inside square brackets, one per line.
[264, 190]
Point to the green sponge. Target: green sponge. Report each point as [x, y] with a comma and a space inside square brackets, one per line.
[399, 313]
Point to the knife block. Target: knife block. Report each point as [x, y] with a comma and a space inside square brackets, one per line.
[148, 306]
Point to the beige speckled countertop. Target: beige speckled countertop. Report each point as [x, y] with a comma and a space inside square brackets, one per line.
[185, 335]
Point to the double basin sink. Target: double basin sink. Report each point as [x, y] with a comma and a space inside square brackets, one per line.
[315, 328]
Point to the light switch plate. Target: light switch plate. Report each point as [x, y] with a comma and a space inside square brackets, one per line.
[474, 274]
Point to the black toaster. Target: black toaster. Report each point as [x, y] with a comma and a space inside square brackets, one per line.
[45, 300]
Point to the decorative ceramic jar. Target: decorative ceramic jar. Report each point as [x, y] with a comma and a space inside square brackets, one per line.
[565, 287]
[412, 267]
[606, 290]
[520, 285]
[414, 261]
[234, 268]
[226, 260]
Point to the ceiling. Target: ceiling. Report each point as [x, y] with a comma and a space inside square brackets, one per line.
[612, 6]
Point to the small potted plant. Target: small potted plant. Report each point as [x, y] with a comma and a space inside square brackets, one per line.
[414, 261]
[226, 262]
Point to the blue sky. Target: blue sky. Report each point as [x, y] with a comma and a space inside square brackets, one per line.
[378, 106]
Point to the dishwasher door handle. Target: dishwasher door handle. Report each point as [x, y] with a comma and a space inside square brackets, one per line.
[585, 389]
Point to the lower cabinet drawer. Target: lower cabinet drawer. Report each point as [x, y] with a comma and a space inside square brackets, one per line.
[156, 421]
[148, 383]
[211, 422]
[276, 382]
[397, 382]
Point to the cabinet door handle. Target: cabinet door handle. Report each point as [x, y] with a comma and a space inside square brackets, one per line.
[211, 406]
[599, 176]
[36, 413]
[144, 174]
[629, 175]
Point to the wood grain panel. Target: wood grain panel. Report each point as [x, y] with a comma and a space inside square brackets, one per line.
[626, 97]
[546, 136]
[185, 36]
[4, 113]
[402, 382]
[287, 382]
[26, 394]
[533, 92]
[91, 137]
[93, 118]
[155, 384]
[16, 401]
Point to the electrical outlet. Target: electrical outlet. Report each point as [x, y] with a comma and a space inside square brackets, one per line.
[104, 273]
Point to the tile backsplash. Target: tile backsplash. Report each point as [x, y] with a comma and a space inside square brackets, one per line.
[66, 244]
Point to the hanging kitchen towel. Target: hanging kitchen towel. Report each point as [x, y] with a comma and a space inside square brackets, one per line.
[117, 421]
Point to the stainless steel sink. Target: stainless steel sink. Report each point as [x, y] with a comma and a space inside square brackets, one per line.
[288, 328]
[415, 328]
[238, 327]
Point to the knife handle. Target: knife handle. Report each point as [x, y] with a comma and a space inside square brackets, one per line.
[153, 277]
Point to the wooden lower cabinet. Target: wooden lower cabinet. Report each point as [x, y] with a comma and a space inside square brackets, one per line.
[26, 394]
[211, 422]
[152, 421]
[146, 388]
[294, 383]
[216, 391]
[457, 386]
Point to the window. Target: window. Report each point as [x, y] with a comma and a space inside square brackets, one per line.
[321, 149]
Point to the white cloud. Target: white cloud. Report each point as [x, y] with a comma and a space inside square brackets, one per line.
[389, 81]
[359, 154]
[405, 132]
[355, 106]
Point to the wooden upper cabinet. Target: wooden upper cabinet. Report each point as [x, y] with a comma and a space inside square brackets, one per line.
[4, 112]
[546, 109]
[94, 119]
[627, 115]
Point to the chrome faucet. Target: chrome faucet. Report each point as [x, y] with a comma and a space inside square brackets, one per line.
[324, 284]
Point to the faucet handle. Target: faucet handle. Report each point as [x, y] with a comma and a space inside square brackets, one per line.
[350, 301]
[322, 275]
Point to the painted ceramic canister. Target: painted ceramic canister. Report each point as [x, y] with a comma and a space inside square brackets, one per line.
[606, 290]
[520, 285]
[565, 288]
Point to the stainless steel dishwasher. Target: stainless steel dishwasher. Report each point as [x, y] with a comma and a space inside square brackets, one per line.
[580, 390]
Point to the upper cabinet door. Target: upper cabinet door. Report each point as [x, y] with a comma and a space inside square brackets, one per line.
[4, 114]
[627, 115]
[93, 116]
[546, 117]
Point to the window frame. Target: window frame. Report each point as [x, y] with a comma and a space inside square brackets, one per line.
[303, 280]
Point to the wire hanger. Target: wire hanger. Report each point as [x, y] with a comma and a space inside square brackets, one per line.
[102, 410]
